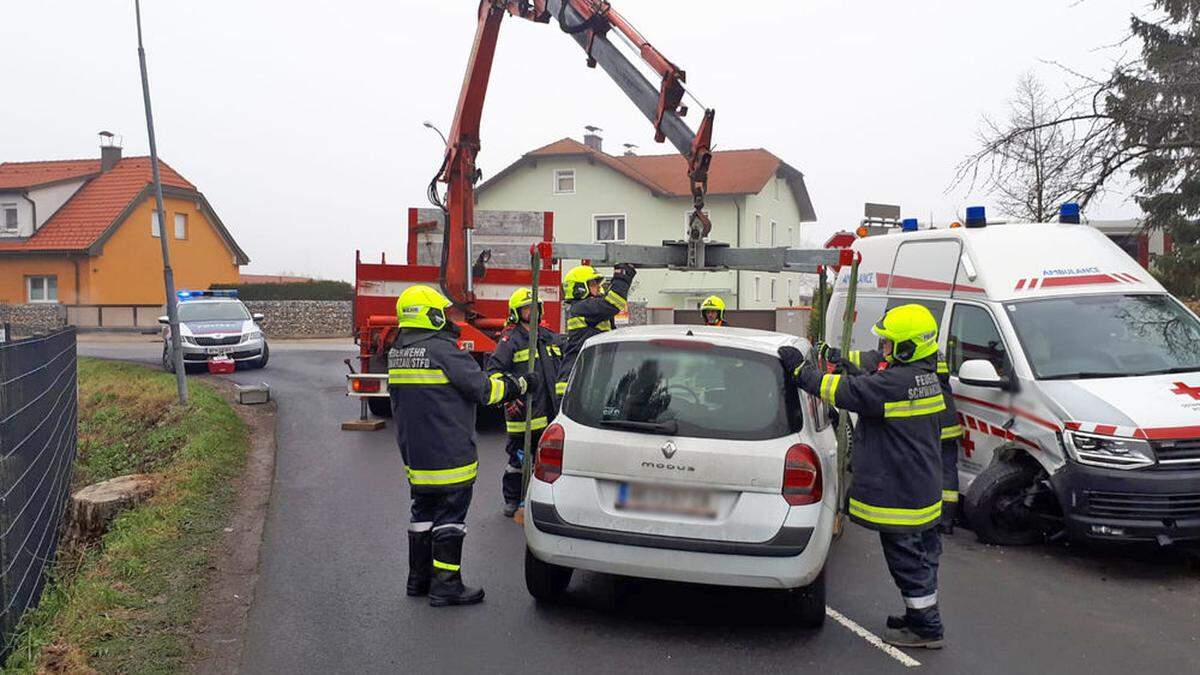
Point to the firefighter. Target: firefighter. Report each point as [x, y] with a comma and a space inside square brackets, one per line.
[713, 311]
[434, 388]
[897, 459]
[512, 356]
[590, 309]
[950, 431]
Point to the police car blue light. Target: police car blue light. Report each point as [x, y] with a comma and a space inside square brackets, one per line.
[1069, 213]
[976, 216]
[908, 225]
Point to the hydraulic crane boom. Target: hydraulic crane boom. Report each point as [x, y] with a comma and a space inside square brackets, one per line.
[589, 22]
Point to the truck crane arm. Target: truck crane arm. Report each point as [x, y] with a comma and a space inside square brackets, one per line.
[589, 22]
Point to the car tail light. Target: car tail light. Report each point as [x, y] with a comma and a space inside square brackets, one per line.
[362, 386]
[801, 476]
[548, 466]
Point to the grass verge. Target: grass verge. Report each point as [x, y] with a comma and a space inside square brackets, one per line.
[127, 604]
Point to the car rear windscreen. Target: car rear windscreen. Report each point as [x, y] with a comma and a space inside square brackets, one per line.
[700, 391]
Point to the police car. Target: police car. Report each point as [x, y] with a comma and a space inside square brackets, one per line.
[215, 323]
[682, 453]
[1075, 374]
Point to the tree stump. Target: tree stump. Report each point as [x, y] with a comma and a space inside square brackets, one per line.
[94, 507]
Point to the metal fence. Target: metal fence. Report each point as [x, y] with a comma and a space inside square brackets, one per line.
[38, 410]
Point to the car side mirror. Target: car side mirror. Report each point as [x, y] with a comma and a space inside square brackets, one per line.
[982, 373]
[164, 320]
[258, 317]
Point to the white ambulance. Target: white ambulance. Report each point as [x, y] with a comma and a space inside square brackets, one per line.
[1076, 376]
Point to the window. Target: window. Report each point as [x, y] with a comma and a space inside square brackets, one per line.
[778, 189]
[973, 335]
[791, 297]
[10, 217]
[228, 310]
[181, 226]
[719, 393]
[155, 230]
[757, 284]
[774, 233]
[687, 219]
[42, 289]
[610, 228]
[772, 289]
[791, 240]
[936, 307]
[758, 228]
[564, 182]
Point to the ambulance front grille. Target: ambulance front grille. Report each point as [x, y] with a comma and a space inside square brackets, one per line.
[1180, 455]
[1135, 506]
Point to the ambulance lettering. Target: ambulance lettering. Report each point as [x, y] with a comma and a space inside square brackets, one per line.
[1070, 271]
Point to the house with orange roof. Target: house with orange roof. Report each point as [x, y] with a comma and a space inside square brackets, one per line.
[755, 199]
[85, 233]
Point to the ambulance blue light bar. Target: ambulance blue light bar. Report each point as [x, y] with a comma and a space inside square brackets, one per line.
[908, 225]
[1069, 213]
[976, 216]
[194, 295]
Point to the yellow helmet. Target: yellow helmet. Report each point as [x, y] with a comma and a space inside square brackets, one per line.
[421, 307]
[912, 330]
[522, 297]
[713, 302]
[576, 282]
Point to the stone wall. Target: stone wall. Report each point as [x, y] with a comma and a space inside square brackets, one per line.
[305, 318]
[30, 319]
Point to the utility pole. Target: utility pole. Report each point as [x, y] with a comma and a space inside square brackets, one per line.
[168, 274]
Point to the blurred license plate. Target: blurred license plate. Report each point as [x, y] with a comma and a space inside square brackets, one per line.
[659, 499]
[218, 351]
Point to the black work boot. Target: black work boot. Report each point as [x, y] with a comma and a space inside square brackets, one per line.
[897, 621]
[919, 628]
[447, 588]
[510, 508]
[949, 515]
[420, 562]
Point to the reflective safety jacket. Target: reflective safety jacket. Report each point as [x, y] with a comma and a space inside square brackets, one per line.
[512, 356]
[896, 465]
[587, 317]
[950, 427]
[434, 387]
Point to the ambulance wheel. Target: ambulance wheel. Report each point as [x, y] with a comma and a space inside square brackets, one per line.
[999, 505]
[544, 581]
[806, 605]
[380, 407]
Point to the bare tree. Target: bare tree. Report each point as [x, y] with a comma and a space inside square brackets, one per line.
[1030, 163]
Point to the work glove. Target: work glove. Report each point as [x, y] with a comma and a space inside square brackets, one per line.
[792, 359]
[515, 409]
[828, 352]
[624, 271]
[514, 387]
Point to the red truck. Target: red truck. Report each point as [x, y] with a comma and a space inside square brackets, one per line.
[499, 254]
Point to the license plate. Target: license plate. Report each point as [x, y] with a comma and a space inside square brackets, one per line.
[218, 351]
[659, 499]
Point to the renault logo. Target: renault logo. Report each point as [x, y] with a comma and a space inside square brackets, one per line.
[668, 449]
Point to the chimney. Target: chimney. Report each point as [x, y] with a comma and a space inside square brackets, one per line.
[630, 149]
[110, 151]
[593, 139]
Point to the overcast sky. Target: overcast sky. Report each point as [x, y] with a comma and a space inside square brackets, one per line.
[301, 120]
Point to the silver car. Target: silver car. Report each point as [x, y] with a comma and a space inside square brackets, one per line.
[215, 323]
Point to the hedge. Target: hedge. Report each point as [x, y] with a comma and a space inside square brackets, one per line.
[303, 290]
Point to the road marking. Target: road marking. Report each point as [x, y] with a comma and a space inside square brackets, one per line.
[872, 638]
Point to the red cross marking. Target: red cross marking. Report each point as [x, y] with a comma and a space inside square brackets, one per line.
[1182, 389]
[967, 443]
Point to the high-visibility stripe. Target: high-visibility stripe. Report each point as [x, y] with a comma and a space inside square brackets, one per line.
[604, 326]
[560, 388]
[922, 602]
[497, 391]
[829, 385]
[855, 357]
[950, 496]
[576, 322]
[952, 432]
[915, 408]
[616, 300]
[461, 474]
[424, 526]
[555, 350]
[449, 567]
[519, 426]
[417, 376]
[893, 516]
[521, 356]
[943, 368]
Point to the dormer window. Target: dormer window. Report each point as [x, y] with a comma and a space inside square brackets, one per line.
[8, 224]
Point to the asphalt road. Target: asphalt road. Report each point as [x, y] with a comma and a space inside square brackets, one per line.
[331, 598]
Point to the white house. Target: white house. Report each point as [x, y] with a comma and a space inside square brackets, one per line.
[754, 199]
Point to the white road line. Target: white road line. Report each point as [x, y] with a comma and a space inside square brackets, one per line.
[872, 638]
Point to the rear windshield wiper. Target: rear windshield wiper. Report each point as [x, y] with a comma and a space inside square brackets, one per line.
[668, 427]
[1085, 375]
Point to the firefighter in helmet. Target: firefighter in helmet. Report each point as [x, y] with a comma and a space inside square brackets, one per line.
[434, 388]
[591, 309]
[512, 356]
[897, 486]
[713, 311]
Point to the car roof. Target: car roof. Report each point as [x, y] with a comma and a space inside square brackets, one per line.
[763, 341]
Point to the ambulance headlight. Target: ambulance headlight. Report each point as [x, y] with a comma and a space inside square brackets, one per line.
[1107, 451]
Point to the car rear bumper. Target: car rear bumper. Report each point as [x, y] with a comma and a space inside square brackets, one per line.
[1140, 505]
[792, 559]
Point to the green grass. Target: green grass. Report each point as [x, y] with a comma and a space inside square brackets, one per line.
[127, 604]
